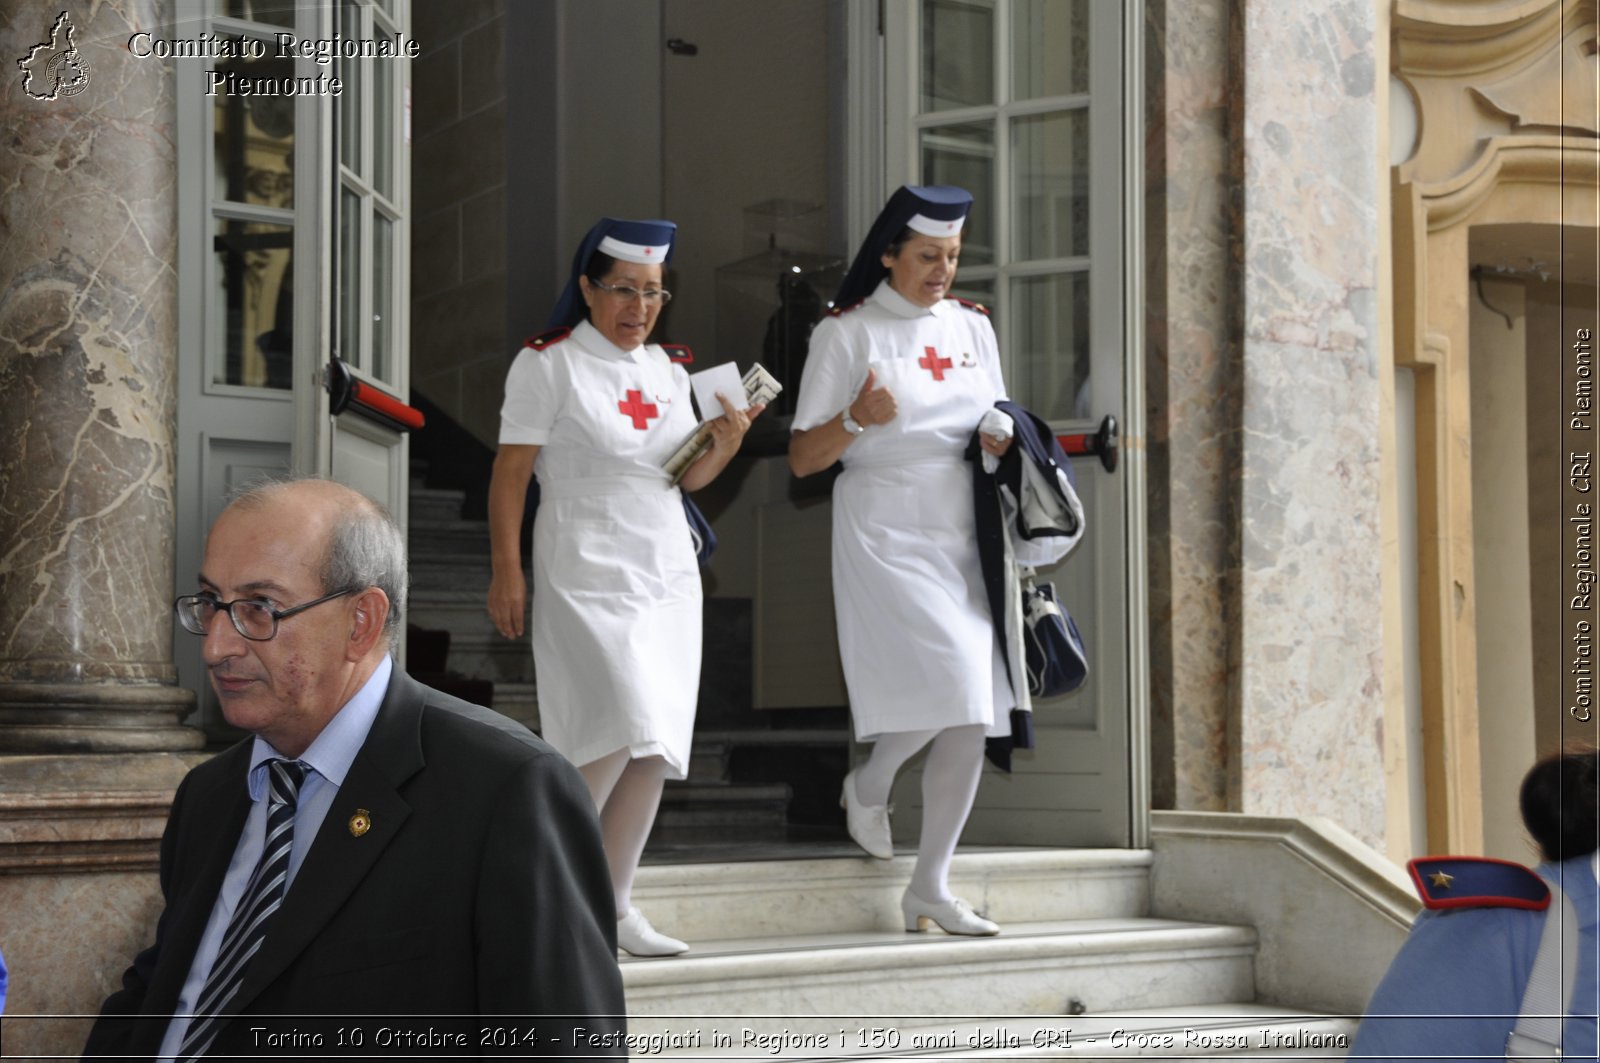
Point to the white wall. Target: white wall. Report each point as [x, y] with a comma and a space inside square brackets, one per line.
[1501, 563]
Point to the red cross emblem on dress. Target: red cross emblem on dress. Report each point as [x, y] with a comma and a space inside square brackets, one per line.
[635, 406]
[933, 363]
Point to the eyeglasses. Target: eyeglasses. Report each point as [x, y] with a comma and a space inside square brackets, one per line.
[627, 293]
[255, 620]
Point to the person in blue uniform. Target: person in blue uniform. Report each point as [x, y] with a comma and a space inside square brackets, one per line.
[898, 378]
[594, 410]
[1456, 989]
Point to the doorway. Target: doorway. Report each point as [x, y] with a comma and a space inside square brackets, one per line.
[771, 133]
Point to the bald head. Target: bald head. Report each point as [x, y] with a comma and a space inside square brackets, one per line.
[359, 543]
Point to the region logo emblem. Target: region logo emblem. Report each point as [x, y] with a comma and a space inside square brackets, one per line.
[55, 68]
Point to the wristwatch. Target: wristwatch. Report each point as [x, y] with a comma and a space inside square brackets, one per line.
[851, 425]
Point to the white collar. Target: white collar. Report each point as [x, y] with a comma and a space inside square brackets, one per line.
[897, 304]
[594, 341]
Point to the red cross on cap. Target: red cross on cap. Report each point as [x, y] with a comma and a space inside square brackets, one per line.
[649, 250]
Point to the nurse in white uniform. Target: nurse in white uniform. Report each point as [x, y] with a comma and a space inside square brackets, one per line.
[594, 411]
[897, 379]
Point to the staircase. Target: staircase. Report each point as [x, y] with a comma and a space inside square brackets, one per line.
[809, 957]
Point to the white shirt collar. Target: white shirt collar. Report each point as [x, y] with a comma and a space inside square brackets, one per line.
[897, 304]
[595, 342]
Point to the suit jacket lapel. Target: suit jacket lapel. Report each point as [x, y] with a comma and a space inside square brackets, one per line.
[215, 805]
[339, 858]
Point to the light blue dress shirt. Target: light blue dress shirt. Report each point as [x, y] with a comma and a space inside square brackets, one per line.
[328, 757]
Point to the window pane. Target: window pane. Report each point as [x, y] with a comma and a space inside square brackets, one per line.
[349, 72]
[276, 12]
[957, 54]
[383, 122]
[1050, 185]
[251, 314]
[252, 138]
[1050, 354]
[382, 296]
[1050, 48]
[964, 155]
[350, 278]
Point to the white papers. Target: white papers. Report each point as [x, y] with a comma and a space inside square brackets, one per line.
[723, 378]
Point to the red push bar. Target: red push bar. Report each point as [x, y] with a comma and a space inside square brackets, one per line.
[345, 392]
[1101, 444]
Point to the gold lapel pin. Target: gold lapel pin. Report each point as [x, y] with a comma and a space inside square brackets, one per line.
[360, 823]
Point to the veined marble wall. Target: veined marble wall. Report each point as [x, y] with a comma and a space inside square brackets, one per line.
[1193, 377]
[1310, 708]
[88, 301]
[1263, 332]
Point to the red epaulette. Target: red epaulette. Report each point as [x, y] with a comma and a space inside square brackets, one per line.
[547, 338]
[677, 352]
[970, 305]
[1477, 882]
[835, 311]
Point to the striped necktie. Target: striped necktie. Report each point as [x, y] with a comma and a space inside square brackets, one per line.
[248, 927]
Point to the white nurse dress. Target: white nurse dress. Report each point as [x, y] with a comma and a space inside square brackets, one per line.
[915, 635]
[616, 587]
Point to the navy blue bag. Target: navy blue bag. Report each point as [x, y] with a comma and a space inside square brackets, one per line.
[1056, 660]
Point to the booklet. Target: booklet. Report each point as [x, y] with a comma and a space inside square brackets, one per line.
[758, 386]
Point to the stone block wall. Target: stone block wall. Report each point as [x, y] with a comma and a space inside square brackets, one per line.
[459, 349]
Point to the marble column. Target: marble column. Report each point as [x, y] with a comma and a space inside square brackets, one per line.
[1193, 379]
[88, 303]
[1309, 680]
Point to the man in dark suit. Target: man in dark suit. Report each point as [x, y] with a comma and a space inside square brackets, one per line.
[401, 862]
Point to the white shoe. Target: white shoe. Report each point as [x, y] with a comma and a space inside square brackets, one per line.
[868, 824]
[637, 937]
[954, 916]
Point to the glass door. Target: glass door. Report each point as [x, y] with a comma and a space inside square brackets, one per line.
[1024, 103]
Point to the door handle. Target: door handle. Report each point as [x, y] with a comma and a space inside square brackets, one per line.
[1101, 443]
[345, 392]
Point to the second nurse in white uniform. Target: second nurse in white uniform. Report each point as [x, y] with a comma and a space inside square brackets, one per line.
[594, 411]
[896, 381]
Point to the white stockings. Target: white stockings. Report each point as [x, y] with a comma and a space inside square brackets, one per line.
[627, 792]
[949, 785]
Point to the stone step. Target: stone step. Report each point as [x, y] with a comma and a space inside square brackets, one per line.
[520, 701]
[467, 573]
[777, 898]
[796, 736]
[434, 503]
[434, 539]
[489, 656]
[1031, 968]
[708, 762]
[697, 814]
[1224, 1030]
[459, 607]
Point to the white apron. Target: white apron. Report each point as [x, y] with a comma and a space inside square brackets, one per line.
[616, 588]
[915, 635]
